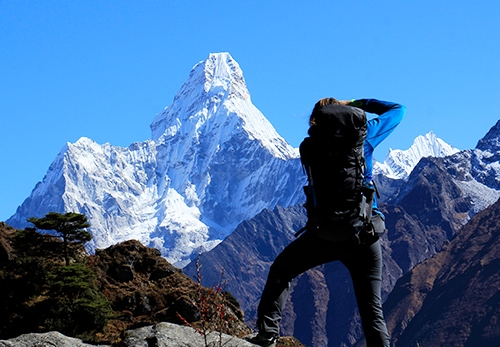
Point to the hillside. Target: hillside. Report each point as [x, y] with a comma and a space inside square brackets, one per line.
[141, 286]
[145, 292]
[453, 298]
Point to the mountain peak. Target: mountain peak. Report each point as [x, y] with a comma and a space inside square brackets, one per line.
[223, 74]
[214, 99]
[399, 164]
[218, 77]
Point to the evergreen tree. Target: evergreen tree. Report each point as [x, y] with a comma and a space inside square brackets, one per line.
[75, 306]
[69, 226]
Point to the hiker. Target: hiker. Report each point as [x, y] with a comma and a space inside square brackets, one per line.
[337, 229]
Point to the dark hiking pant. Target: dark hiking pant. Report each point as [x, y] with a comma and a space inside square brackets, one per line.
[364, 263]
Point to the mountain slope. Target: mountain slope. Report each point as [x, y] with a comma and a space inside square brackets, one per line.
[452, 299]
[321, 310]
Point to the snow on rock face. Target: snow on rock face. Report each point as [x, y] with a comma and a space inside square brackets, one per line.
[214, 160]
[399, 164]
[215, 100]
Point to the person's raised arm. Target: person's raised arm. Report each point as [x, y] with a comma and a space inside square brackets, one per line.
[389, 114]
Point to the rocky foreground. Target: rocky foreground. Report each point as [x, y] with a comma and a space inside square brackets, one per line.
[162, 334]
[153, 304]
[158, 335]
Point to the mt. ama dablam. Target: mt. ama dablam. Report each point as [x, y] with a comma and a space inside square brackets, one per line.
[213, 161]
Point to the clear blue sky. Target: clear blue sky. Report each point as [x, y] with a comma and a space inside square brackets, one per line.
[104, 69]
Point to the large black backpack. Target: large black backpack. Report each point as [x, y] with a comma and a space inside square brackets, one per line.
[333, 159]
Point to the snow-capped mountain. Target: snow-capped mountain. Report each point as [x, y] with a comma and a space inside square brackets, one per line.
[477, 171]
[398, 164]
[214, 160]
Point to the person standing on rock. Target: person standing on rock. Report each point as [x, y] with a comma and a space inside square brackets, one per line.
[344, 222]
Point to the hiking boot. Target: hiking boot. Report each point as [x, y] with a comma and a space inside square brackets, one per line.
[264, 339]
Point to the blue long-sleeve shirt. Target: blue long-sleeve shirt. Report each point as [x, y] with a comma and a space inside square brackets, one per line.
[390, 115]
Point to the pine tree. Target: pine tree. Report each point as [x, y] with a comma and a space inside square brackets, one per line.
[69, 226]
[75, 306]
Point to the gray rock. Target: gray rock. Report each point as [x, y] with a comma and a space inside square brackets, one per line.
[172, 335]
[49, 339]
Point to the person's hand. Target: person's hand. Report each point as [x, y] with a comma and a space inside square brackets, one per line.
[344, 102]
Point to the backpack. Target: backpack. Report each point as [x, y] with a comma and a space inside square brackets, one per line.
[332, 157]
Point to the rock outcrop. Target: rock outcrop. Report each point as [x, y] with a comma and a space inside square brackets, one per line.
[145, 289]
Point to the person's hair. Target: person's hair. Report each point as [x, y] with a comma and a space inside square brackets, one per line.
[318, 105]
